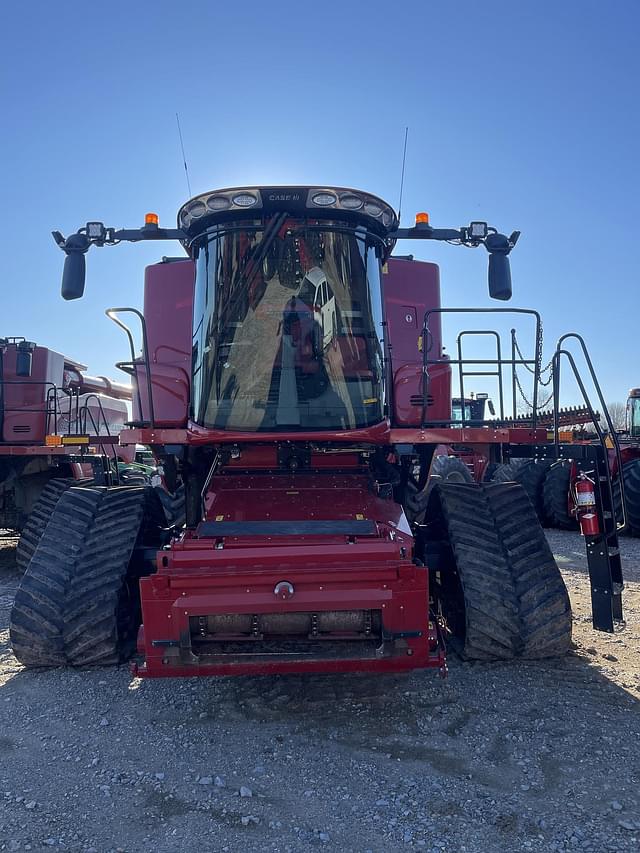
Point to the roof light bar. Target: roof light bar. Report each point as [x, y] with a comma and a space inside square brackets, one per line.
[294, 200]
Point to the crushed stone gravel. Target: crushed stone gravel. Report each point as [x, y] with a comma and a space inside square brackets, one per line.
[503, 757]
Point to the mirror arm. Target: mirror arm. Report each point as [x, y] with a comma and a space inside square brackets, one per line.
[80, 241]
[134, 235]
[491, 240]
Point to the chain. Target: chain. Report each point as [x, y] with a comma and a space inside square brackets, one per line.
[538, 369]
[541, 404]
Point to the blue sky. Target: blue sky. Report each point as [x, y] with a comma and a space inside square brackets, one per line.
[523, 114]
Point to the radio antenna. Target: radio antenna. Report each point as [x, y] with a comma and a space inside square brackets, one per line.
[404, 160]
[184, 159]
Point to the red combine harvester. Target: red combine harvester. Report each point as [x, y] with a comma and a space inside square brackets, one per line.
[57, 426]
[293, 379]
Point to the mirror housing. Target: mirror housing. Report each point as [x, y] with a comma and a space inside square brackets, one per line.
[24, 359]
[73, 275]
[499, 276]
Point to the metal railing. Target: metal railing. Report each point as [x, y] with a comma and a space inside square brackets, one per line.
[498, 365]
[131, 367]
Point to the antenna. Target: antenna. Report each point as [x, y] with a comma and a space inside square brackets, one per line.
[184, 159]
[404, 160]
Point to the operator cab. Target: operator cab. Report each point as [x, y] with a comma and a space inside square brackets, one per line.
[288, 318]
[633, 413]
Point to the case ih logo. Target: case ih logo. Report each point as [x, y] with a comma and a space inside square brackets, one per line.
[284, 197]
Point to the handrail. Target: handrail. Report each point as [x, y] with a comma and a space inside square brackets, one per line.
[461, 363]
[499, 362]
[557, 357]
[84, 411]
[112, 315]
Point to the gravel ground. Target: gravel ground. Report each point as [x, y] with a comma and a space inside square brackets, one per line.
[502, 757]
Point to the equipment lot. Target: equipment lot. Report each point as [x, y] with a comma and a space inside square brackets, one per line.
[538, 755]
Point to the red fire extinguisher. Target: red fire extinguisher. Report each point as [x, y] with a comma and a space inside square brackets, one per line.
[586, 505]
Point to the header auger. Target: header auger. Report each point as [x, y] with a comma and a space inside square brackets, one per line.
[293, 383]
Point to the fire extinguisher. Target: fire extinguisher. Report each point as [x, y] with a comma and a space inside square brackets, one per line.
[586, 505]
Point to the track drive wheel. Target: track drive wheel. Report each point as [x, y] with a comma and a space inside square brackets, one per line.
[77, 603]
[555, 496]
[496, 583]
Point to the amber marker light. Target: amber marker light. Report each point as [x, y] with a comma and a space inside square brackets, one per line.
[151, 219]
[422, 218]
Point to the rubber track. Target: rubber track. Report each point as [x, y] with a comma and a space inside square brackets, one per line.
[39, 518]
[91, 607]
[631, 472]
[543, 601]
[36, 622]
[555, 495]
[492, 620]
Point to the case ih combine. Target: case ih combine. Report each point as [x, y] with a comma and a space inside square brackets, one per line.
[293, 379]
[57, 426]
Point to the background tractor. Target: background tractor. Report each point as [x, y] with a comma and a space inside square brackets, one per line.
[325, 529]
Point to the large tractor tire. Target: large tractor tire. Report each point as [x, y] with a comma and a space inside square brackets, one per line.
[77, 603]
[444, 469]
[631, 473]
[39, 518]
[489, 471]
[555, 496]
[531, 477]
[496, 584]
[505, 472]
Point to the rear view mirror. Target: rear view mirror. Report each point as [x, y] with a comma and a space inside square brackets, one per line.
[24, 360]
[499, 276]
[73, 276]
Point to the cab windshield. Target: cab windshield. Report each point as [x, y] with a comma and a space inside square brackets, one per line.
[634, 417]
[287, 327]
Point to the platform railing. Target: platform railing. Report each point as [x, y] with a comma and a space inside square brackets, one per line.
[499, 365]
